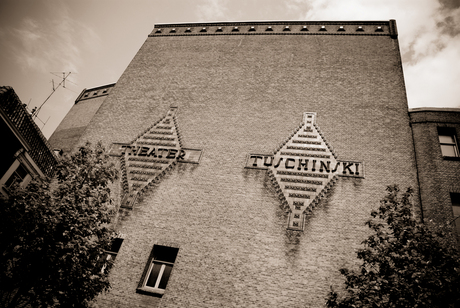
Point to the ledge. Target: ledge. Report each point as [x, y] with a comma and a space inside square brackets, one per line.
[150, 291]
[451, 158]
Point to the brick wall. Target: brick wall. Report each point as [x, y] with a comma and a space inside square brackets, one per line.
[438, 176]
[69, 131]
[240, 94]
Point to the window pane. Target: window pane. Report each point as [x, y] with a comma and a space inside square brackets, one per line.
[456, 211]
[13, 178]
[111, 256]
[446, 139]
[455, 198]
[116, 244]
[457, 221]
[165, 277]
[164, 253]
[153, 275]
[448, 150]
[18, 175]
[21, 172]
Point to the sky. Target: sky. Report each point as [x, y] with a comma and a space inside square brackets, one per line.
[95, 41]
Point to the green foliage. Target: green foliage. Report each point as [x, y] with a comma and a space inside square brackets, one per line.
[404, 263]
[53, 235]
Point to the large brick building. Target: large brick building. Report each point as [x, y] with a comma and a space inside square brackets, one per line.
[252, 154]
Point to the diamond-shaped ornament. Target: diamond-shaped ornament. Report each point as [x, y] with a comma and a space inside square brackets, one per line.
[145, 160]
[303, 169]
[305, 165]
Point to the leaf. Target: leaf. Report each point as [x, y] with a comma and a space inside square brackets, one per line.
[405, 263]
[48, 228]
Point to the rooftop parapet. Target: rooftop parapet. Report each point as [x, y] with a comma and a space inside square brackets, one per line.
[379, 28]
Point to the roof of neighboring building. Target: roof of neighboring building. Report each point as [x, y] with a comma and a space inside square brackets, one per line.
[97, 91]
[16, 115]
[434, 109]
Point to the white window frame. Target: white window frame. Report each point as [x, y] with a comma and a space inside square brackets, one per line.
[448, 132]
[24, 160]
[156, 288]
[112, 254]
[164, 256]
[16, 177]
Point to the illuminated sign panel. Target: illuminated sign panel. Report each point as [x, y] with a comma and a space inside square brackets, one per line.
[303, 169]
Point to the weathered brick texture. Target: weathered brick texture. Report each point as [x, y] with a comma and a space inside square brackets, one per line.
[240, 94]
[69, 131]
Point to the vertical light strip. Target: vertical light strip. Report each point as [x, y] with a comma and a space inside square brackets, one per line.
[160, 274]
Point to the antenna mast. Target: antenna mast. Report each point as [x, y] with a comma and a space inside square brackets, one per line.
[35, 111]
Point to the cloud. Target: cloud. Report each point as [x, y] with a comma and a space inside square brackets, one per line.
[429, 37]
[211, 10]
[434, 79]
[51, 42]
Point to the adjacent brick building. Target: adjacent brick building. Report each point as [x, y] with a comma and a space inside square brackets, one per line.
[69, 131]
[252, 155]
[435, 132]
[25, 152]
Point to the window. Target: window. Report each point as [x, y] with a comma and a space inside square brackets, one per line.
[158, 270]
[114, 248]
[448, 142]
[17, 177]
[455, 199]
[112, 253]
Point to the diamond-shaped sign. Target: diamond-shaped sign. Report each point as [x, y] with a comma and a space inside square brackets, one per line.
[145, 160]
[303, 169]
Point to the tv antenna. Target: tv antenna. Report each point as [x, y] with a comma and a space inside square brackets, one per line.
[36, 110]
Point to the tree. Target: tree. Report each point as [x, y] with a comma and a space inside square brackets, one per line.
[53, 234]
[404, 262]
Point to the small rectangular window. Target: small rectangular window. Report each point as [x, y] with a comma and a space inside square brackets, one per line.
[17, 177]
[158, 269]
[448, 142]
[112, 252]
[455, 199]
[115, 247]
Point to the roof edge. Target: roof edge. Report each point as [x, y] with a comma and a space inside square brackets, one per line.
[101, 87]
[433, 109]
[93, 89]
[277, 22]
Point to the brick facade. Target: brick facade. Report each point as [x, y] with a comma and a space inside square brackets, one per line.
[439, 176]
[69, 131]
[241, 92]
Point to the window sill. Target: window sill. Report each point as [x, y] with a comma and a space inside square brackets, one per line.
[150, 291]
[451, 158]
